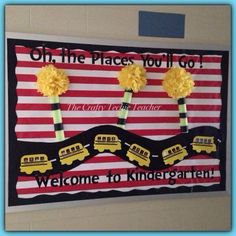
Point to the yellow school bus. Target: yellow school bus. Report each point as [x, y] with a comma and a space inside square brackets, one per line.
[204, 143]
[107, 142]
[139, 154]
[35, 162]
[71, 153]
[173, 153]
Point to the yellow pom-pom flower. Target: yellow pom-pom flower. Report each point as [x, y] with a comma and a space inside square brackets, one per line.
[178, 83]
[52, 81]
[132, 77]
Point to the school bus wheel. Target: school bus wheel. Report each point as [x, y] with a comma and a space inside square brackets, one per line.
[198, 150]
[82, 158]
[131, 159]
[101, 149]
[69, 162]
[208, 151]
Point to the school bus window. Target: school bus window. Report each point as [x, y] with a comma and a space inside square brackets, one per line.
[138, 149]
[72, 149]
[113, 138]
[67, 150]
[36, 158]
[141, 152]
[41, 158]
[31, 159]
[99, 138]
[177, 148]
[108, 139]
[63, 152]
[145, 154]
[103, 138]
[25, 159]
[169, 151]
[77, 147]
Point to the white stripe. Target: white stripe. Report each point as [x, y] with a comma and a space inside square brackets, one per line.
[194, 125]
[114, 74]
[84, 127]
[124, 164]
[52, 140]
[36, 139]
[132, 113]
[197, 162]
[102, 166]
[108, 87]
[108, 100]
[127, 189]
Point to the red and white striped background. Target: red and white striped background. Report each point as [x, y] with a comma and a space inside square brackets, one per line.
[94, 85]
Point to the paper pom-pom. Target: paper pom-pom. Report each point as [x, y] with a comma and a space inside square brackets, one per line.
[178, 83]
[132, 77]
[52, 81]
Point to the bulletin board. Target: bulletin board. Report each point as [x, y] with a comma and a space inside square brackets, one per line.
[102, 155]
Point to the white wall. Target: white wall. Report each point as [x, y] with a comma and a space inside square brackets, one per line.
[204, 25]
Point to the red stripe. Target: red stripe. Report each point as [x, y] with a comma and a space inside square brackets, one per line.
[201, 156]
[110, 67]
[37, 106]
[112, 80]
[26, 78]
[207, 83]
[204, 119]
[102, 159]
[148, 132]
[113, 120]
[78, 107]
[36, 134]
[121, 184]
[204, 107]
[57, 52]
[51, 134]
[87, 93]
[35, 120]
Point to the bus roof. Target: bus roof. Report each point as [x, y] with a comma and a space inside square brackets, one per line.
[105, 135]
[176, 145]
[33, 155]
[206, 137]
[135, 144]
[72, 145]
